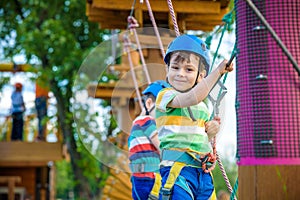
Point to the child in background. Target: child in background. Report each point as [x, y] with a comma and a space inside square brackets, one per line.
[41, 98]
[182, 118]
[143, 146]
[17, 110]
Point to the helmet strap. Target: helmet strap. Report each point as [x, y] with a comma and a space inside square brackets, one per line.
[145, 106]
[151, 109]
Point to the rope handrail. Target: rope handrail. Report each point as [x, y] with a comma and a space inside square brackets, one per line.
[172, 13]
[132, 25]
[155, 28]
[127, 43]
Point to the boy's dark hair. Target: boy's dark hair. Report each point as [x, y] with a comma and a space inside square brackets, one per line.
[184, 55]
[149, 95]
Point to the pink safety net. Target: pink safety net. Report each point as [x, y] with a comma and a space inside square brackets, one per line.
[268, 87]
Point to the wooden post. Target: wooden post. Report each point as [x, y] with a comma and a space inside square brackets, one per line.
[52, 182]
[269, 182]
[11, 181]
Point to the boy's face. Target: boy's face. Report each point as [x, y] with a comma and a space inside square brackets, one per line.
[182, 72]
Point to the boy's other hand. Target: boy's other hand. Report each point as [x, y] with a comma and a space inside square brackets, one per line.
[212, 127]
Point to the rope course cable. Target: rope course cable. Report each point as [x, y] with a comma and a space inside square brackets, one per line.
[172, 13]
[155, 28]
[234, 190]
[127, 44]
[223, 90]
[274, 35]
[133, 24]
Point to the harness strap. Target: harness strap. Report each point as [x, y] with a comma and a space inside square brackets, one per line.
[181, 156]
[182, 159]
[142, 167]
[174, 173]
[154, 194]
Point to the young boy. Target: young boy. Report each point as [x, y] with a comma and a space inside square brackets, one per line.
[183, 123]
[143, 147]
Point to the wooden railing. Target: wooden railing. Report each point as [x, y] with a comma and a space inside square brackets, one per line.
[11, 183]
[30, 131]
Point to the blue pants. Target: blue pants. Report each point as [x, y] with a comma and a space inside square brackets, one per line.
[41, 108]
[141, 187]
[17, 127]
[198, 183]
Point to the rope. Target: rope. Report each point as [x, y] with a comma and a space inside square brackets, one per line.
[225, 176]
[211, 158]
[172, 13]
[226, 20]
[235, 187]
[127, 44]
[155, 29]
[132, 8]
[275, 36]
[224, 173]
[132, 24]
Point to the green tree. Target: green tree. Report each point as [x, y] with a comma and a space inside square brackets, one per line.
[55, 36]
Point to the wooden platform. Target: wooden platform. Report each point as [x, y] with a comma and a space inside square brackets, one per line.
[26, 154]
[191, 15]
[275, 182]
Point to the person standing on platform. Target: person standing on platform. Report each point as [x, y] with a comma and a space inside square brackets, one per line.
[41, 98]
[17, 110]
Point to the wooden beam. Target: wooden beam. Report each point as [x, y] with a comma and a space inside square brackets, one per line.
[205, 7]
[6, 179]
[108, 91]
[201, 26]
[150, 40]
[138, 14]
[11, 67]
[203, 17]
[106, 25]
[29, 153]
[24, 164]
[109, 14]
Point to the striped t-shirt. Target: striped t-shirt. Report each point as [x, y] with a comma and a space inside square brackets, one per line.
[141, 149]
[175, 127]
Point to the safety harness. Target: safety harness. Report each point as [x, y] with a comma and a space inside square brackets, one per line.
[182, 159]
[141, 168]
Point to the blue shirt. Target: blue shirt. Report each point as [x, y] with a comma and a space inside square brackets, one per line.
[17, 102]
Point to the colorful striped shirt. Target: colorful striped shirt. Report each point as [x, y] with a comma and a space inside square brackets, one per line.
[141, 150]
[175, 127]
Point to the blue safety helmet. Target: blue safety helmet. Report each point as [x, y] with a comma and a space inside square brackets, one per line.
[154, 87]
[189, 43]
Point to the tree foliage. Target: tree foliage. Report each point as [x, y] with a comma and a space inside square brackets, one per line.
[55, 36]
